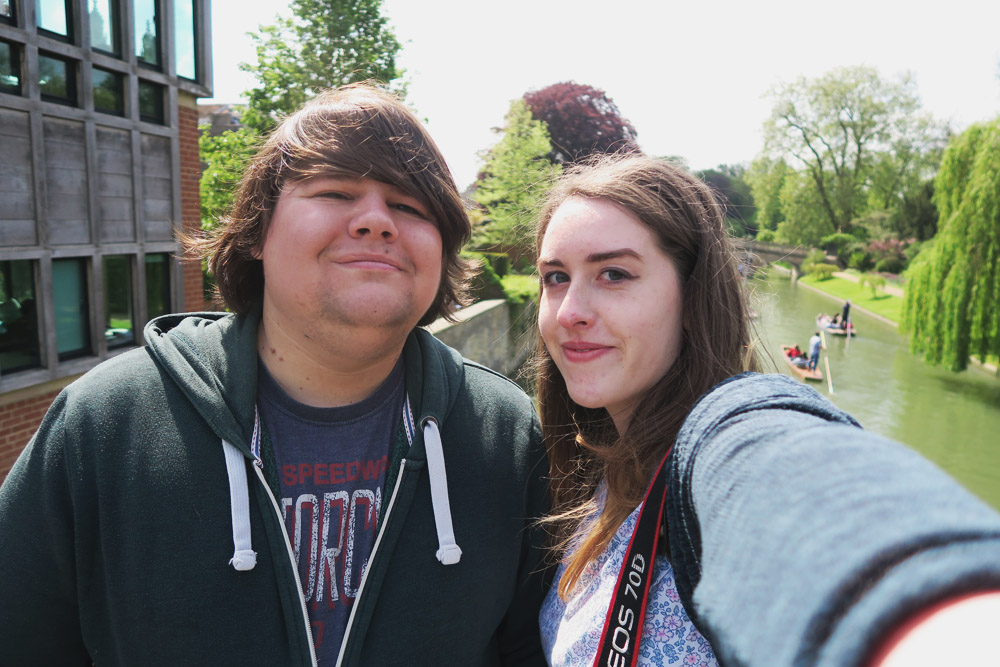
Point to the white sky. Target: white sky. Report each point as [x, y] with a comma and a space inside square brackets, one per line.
[690, 76]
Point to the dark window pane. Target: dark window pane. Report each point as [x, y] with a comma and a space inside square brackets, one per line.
[18, 316]
[7, 11]
[157, 285]
[119, 326]
[69, 295]
[56, 80]
[150, 102]
[51, 15]
[104, 25]
[10, 69]
[184, 32]
[147, 46]
[109, 95]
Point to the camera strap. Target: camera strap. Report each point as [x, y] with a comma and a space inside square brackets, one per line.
[619, 646]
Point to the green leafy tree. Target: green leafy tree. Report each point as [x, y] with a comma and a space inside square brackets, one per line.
[804, 222]
[516, 176]
[731, 190]
[223, 157]
[952, 306]
[766, 178]
[324, 44]
[848, 129]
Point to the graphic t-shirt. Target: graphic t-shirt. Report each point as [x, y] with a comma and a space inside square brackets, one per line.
[331, 468]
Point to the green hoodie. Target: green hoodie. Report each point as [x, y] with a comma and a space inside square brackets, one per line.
[116, 528]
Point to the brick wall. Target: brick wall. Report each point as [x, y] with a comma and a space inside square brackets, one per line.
[190, 195]
[20, 416]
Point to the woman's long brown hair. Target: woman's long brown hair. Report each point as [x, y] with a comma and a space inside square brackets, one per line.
[583, 444]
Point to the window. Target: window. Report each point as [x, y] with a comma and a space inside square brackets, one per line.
[69, 295]
[185, 39]
[147, 41]
[104, 26]
[56, 79]
[7, 11]
[150, 102]
[157, 285]
[109, 91]
[52, 16]
[119, 325]
[19, 347]
[10, 69]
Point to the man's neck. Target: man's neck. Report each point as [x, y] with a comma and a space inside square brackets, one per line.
[326, 369]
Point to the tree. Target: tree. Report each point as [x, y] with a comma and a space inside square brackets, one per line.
[733, 194]
[223, 157]
[804, 222]
[845, 129]
[324, 44]
[516, 176]
[952, 306]
[766, 177]
[582, 121]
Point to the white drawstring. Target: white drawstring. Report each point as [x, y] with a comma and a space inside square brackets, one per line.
[448, 552]
[244, 557]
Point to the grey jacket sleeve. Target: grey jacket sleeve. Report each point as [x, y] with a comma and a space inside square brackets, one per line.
[798, 538]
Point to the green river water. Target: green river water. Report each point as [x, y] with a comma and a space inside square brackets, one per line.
[953, 419]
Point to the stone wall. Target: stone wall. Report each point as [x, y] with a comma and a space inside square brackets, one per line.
[493, 333]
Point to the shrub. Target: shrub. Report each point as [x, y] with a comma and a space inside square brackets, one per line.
[814, 256]
[860, 260]
[498, 261]
[873, 282]
[838, 244]
[822, 270]
[890, 265]
[486, 284]
[766, 236]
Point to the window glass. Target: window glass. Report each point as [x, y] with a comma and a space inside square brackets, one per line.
[157, 285]
[150, 102]
[184, 42]
[69, 295]
[56, 80]
[18, 316]
[119, 326]
[10, 69]
[109, 91]
[51, 15]
[7, 11]
[147, 47]
[104, 25]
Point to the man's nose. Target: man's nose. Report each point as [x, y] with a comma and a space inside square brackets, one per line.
[373, 217]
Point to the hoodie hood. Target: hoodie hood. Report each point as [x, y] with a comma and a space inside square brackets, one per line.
[212, 357]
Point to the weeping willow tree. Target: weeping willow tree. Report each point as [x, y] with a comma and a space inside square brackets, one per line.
[952, 307]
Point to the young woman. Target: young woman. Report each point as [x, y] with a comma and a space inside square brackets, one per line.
[642, 321]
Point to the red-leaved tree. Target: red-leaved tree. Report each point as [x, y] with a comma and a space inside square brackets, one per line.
[582, 120]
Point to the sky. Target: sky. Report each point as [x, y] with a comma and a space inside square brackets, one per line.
[691, 77]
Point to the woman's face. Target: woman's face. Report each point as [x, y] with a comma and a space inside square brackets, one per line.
[610, 311]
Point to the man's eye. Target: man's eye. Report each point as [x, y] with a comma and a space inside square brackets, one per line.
[406, 208]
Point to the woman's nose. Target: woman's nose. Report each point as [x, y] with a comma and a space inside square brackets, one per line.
[576, 309]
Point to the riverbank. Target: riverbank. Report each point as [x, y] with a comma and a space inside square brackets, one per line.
[886, 307]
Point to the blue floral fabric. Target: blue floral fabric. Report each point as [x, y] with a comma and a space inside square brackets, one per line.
[571, 630]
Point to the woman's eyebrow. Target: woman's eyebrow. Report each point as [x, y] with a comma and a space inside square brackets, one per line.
[612, 254]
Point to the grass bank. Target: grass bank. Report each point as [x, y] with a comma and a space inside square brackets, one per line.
[884, 305]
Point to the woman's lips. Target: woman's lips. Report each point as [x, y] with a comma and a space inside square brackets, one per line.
[584, 351]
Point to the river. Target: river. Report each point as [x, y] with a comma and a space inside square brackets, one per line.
[953, 419]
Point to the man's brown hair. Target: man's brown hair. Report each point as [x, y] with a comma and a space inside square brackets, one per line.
[355, 131]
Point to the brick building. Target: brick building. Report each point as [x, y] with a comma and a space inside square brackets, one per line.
[99, 138]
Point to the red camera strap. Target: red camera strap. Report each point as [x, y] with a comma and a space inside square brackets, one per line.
[619, 645]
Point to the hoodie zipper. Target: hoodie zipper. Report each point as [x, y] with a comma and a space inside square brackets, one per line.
[291, 559]
[371, 561]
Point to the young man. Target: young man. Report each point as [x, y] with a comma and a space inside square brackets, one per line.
[312, 479]
[815, 343]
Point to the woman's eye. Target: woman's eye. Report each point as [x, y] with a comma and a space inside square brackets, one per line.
[615, 275]
[554, 278]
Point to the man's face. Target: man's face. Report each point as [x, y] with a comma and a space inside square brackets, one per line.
[350, 252]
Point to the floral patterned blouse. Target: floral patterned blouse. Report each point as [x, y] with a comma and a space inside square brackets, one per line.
[571, 630]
